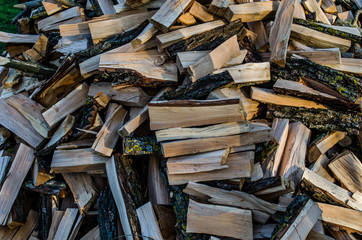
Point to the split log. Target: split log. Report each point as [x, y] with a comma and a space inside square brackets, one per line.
[66, 224]
[320, 167]
[67, 105]
[167, 114]
[268, 96]
[64, 129]
[107, 137]
[83, 190]
[219, 7]
[52, 7]
[30, 67]
[258, 28]
[328, 6]
[219, 220]
[323, 145]
[257, 134]
[348, 169]
[157, 192]
[107, 219]
[239, 167]
[169, 12]
[218, 130]
[106, 7]
[280, 32]
[57, 217]
[25, 230]
[312, 6]
[250, 12]
[53, 22]
[249, 73]
[325, 191]
[77, 160]
[147, 33]
[201, 13]
[148, 222]
[348, 65]
[17, 38]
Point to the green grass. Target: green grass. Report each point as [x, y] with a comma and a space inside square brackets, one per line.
[7, 13]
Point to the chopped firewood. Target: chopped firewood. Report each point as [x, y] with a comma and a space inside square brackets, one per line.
[53, 22]
[144, 36]
[157, 191]
[326, 191]
[320, 167]
[186, 19]
[219, 220]
[17, 38]
[328, 6]
[347, 16]
[323, 145]
[167, 114]
[66, 223]
[106, 6]
[219, 7]
[263, 231]
[250, 12]
[348, 170]
[52, 7]
[106, 218]
[25, 230]
[258, 28]
[312, 6]
[343, 217]
[201, 13]
[77, 160]
[10, 188]
[57, 217]
[169, 12]
[348, 65]
[257, 134]
[32, 67]
[218, 130]
[148, 221]
[249, 73]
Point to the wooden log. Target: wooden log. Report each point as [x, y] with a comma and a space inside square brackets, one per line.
[147, 33]
[258, 28]
[216, 59]
[320, 167]
[219, 220]
[15, 122]
[201, 13]
[167, 39]
[166, 114]
[107, 137]
[312, 6]
[46, 24]
[328, 6]
[280, 32]
[239, 167]
[6, 233]
[107, 220]
[219, 7]
[57, 217]
[148, 221]
[31, 111]
[218, 130]
[77, 160]
[67, 105]
[140, 118]
[30, 67]
[157, 192]
[83, 189]
[106, 7]
[10, 188]
[66, 224]
[251, 12]
[184, 147]
[52, 7]
[249, 73]
[348, 170]
[323, 145]
[342, 217]
[25, 230]
[326, 191]
[268, 96]
[165, 17]
[348, 65]
[261, 209]
[17, 38]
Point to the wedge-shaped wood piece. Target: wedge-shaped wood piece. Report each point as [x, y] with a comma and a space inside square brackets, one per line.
[202, 162]
[64, 128]
[130, 96]
[216, 59]
[169, 13]
[30, 224]
[77, 160]
[320, 167]
[57, 217]
[66, 224]
[300, 226]
[149, 222]
[107, 137]
[257, 134]
[249, 72]
[52, 7]
[49, 23]
[104, 29]
[188, 113]
[293, 161]
[251, 12]
[17, 38]
[167, 39]
[328, 191]
[200, 12]
[322, 56]
[348, 65]
[318, 39]
[348, 219]
[83, 190]
[15, 122]
[258, 28]
[10, 188]
[219, 7]
[145, 64]
[239, 167]
[323, 145]
[218, 130]
[313, 6]
[31, 111]
[348, 169]
[265, 95]
[157, 192]
[261, 209]
[219, 220]
[118, 197]
[280, 32]
[67, 105]
[145, 35]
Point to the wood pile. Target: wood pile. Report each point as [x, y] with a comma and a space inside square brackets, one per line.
[182, 119]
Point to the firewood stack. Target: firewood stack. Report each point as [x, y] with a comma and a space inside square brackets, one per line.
[182, 119]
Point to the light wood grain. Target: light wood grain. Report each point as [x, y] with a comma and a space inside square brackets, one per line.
[250, 12]
[148, 222]
[66, 224]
